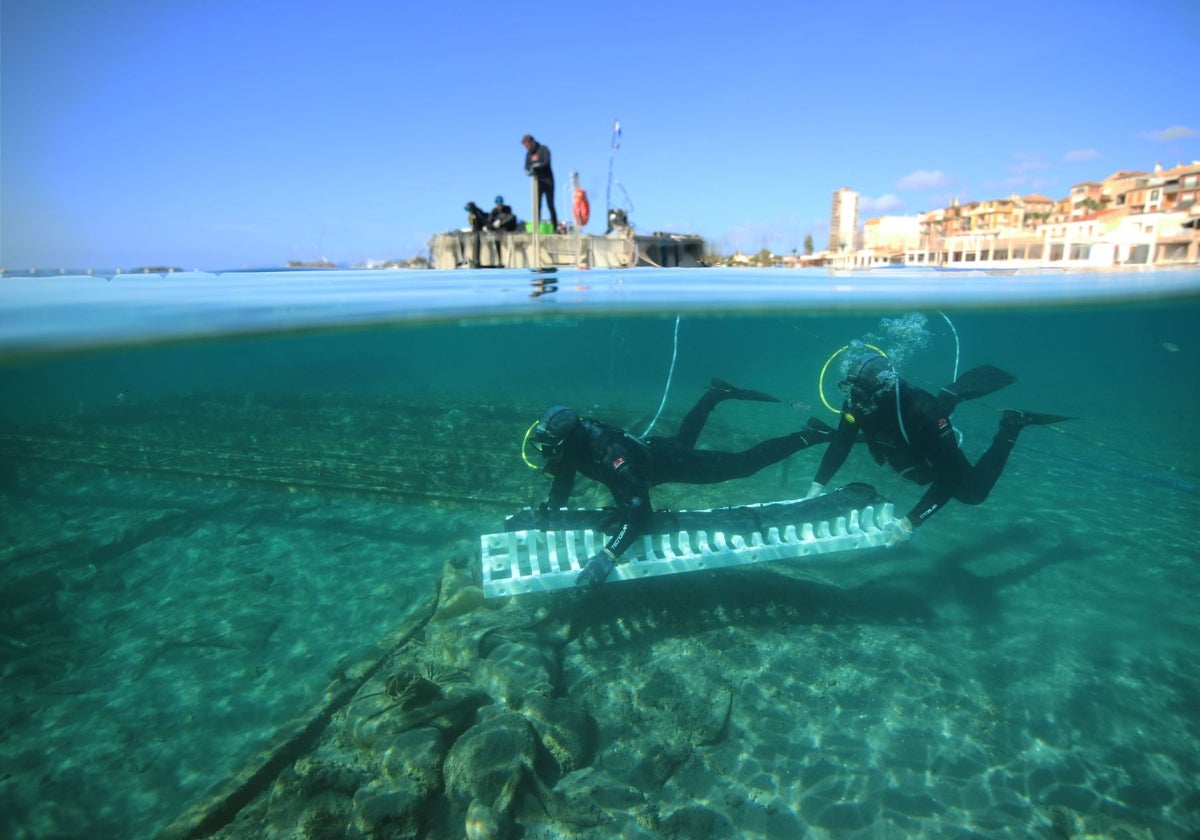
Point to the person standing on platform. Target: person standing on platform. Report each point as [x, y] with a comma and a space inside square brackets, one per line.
[537, 166]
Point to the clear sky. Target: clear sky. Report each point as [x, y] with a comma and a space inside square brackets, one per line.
[226, 133]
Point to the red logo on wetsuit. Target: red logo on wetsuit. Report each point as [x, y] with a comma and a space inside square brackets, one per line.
[942, 423]
[617, 463]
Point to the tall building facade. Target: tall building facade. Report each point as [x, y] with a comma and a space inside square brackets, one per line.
[843, 223]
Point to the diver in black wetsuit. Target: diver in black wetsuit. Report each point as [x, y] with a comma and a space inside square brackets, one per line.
[629, 467]
[537, 165]
[910, 429]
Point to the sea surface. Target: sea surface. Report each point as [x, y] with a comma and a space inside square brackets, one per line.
[220, 492]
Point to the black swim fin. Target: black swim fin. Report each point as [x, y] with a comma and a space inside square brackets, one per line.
[739, 393]
[819, 425]
[977, 382]
[1014, 418]
[816, 431]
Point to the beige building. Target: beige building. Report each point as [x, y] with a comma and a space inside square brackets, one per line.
[891, 233]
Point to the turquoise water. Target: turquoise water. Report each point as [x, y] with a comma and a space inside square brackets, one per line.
[222, 495]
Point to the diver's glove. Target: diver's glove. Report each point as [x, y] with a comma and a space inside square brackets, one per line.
[815, 490]
[541, 516]
[598, 568]
[898, 531]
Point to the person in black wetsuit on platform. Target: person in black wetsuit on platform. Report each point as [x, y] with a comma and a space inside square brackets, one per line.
[501, 218]
[537, 165]
[910, 429]
[629, 467]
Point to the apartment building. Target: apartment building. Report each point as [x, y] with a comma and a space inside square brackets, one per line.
[843, 223]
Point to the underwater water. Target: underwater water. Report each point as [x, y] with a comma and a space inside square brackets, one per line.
[239, 568]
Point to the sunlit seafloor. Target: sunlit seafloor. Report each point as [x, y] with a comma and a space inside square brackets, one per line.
[240, 564]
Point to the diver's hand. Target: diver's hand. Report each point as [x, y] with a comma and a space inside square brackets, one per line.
[815, 490]
[598, 568]
[898, 531]
[541, 516]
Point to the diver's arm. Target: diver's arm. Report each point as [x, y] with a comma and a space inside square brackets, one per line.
[632, 494]
[935, 499]
[839, 450]
[948, 464]
[632, 525]
[560, 488]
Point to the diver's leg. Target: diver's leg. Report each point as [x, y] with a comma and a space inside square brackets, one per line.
[978, 481]
[693, 423]
[707, 467]
[546, 190]
[718, 391]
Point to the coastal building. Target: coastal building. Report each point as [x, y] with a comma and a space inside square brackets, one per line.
[1104, 239]
[1131, 218]
[1115, 189]
[891, 233]
[843, 222]
[1085, 198]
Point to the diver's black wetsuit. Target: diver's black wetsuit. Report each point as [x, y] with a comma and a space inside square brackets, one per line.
[925, 450]
[630, 467]
[537, 165]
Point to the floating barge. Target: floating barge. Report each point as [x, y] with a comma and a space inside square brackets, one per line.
[465, 249]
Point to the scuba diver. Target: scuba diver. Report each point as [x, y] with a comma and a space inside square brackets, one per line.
[629, 467]
[909, 429]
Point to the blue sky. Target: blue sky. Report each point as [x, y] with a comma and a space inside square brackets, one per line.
[218, 134]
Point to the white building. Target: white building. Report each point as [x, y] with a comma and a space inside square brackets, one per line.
[843, 223]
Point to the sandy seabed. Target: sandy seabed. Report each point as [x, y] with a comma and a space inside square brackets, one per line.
[1023, 668]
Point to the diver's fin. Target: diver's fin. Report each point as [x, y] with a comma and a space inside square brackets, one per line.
[820, 425]
[816, 431]
[739, 393]
[977, 382]
[1018, 419]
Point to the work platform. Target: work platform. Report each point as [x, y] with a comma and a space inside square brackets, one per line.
[464, 249]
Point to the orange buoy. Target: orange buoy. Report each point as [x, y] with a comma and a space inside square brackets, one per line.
[583, 210]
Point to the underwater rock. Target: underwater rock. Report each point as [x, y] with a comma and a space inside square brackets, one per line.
[380, 811]
[659, 764]
[324, 817]
[589, 798]
[408, 698]
[315, 775]
[565, 729]
[696, 821]
[484, 823]
[311, 799]
[515, 670]
[713, 725]
[415, 756]
[356, 664]
[488, 762]
[458, 603]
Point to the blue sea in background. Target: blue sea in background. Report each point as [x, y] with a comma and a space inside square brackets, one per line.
[217, 489]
